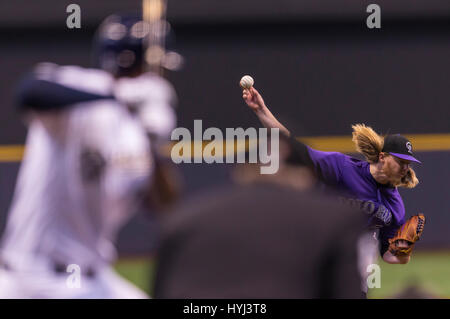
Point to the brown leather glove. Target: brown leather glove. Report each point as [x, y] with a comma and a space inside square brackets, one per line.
[410, 232]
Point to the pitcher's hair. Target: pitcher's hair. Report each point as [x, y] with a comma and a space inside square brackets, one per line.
[410, 180]
[367, 142]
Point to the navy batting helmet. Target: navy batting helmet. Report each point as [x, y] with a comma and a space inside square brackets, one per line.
[121, 41]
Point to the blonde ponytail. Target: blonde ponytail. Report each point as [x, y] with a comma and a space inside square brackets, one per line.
[367, 142]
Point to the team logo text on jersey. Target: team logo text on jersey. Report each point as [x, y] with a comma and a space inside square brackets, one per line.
[260, 149]
[92, 165]
[381, 215]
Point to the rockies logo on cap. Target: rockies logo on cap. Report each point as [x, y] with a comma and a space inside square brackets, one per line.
[399, 146]
[409, 147]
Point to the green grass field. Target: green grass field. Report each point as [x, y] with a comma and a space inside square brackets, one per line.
[428, 270]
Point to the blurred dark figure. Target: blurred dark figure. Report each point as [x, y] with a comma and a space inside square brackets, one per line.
[267, 236]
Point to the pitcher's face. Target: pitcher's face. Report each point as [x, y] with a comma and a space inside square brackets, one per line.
[395, 168]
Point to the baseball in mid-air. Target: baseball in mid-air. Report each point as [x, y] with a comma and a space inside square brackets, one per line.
[246, 82]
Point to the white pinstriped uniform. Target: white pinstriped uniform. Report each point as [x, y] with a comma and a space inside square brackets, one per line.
[60, 214]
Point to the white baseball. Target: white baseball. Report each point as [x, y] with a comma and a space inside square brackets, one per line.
[247, 82]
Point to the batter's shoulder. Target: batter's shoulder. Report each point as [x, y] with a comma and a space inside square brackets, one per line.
[90, 80]
[52, 87]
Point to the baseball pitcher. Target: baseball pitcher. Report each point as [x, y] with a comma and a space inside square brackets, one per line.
[372, 185]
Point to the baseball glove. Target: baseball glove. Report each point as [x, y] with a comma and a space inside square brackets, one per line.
[403, 242]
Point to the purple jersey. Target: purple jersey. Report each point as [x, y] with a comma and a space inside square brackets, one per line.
[352, 178]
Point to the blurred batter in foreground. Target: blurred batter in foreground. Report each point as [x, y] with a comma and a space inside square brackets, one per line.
[89, 163]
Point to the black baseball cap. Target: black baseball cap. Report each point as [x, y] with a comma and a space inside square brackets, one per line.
[399, 146]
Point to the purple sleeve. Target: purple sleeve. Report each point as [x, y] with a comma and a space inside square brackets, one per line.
[328, 165]
[394, 203]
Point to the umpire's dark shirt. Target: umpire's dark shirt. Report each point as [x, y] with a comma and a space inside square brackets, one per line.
[260, 241]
